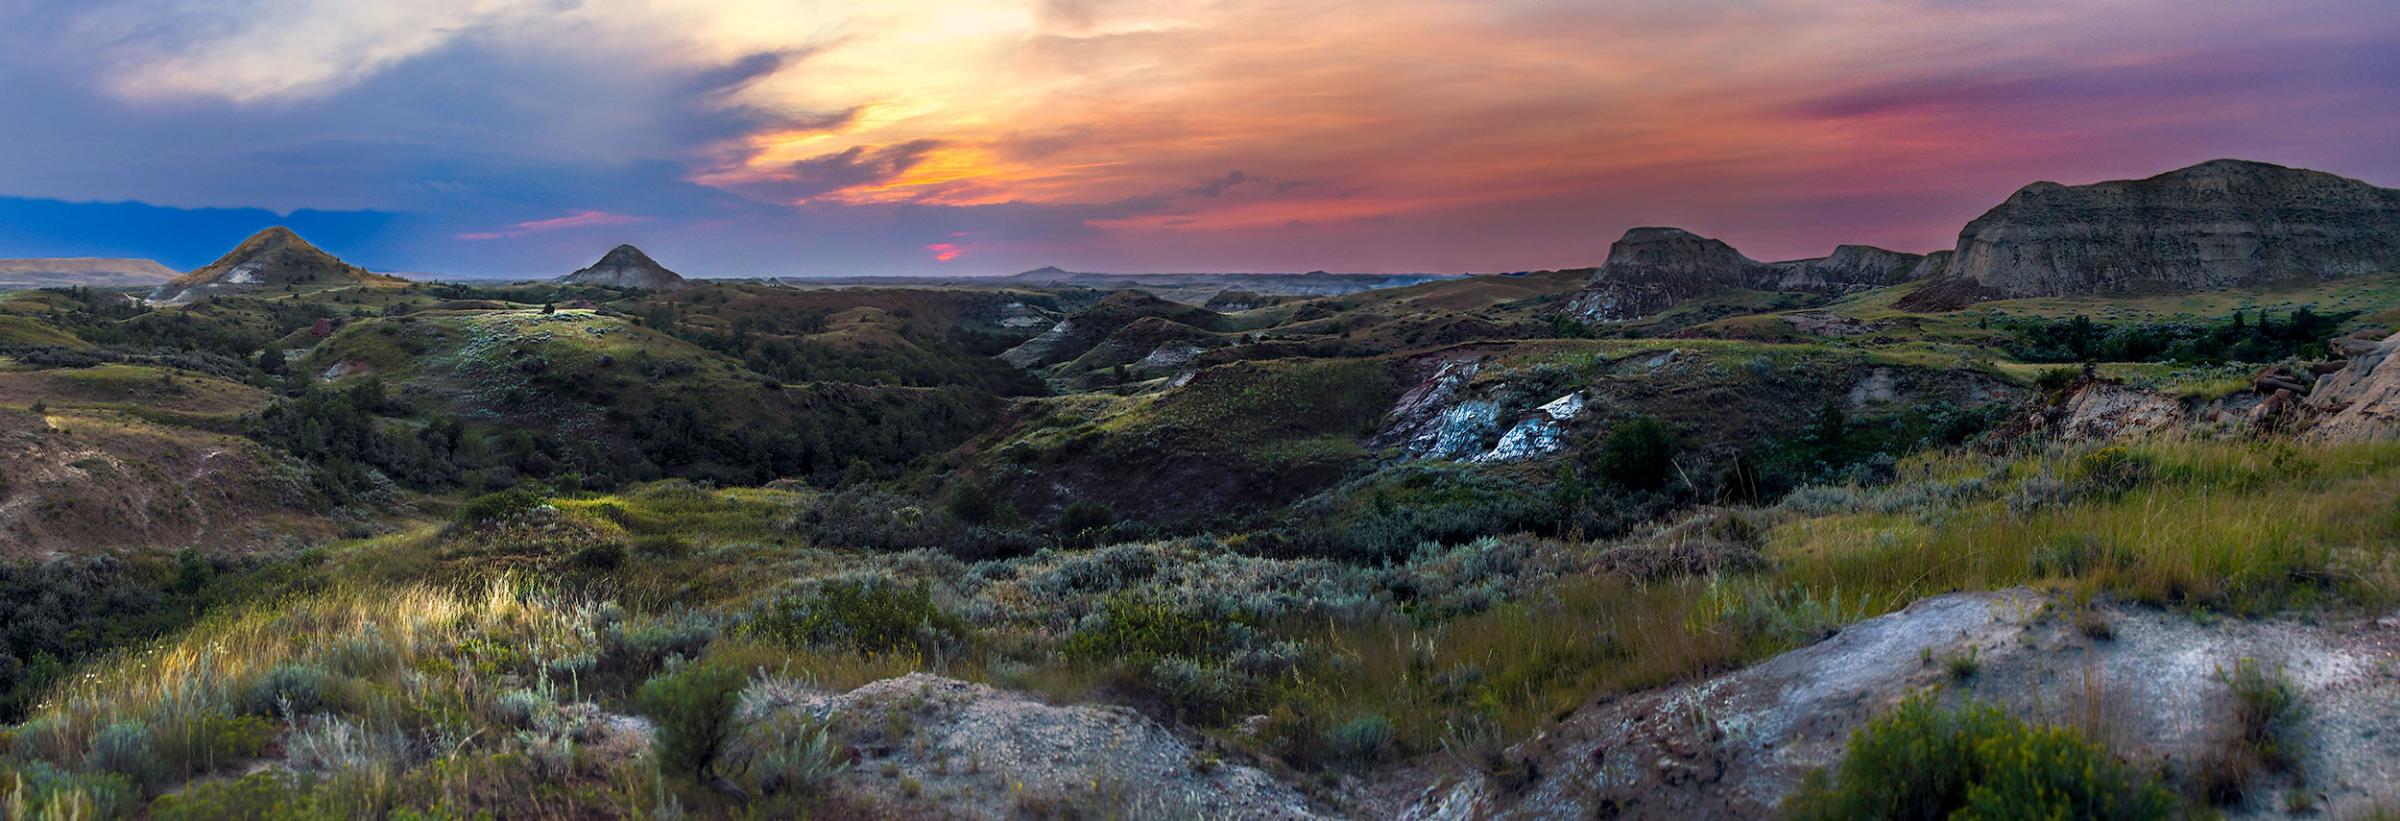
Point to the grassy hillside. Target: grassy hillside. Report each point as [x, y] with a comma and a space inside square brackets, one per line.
[526, 550]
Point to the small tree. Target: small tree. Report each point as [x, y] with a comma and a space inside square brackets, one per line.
[1082, 520]
[270, 359]
[1639, 454]
[694, 711]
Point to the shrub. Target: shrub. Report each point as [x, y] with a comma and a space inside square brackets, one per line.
[213, 740]
[1964, 666]
[793, 757]
[127, 748]
[1639, 454]
[1084, 520]
[662, 547]
[1296, 737]
[694, 711]
[2052, 380]
[682, 633]
[1925, 761]
[1137, 630]
[268, 794]
[2076, 554]
[287, 690]
[2263, 736]
[2110, 471]
[1196, 691]
[1362, 742]
[493, 507]
[872, 615]
[331, 745]
[36, 789]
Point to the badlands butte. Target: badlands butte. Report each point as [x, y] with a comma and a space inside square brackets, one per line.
[2092, 514]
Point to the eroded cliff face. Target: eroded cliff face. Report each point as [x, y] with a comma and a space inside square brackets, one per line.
[2220, 224]
[1847, 267]
[1650, 270]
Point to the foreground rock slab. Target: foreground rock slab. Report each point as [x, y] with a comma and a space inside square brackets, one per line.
[960, 750]
[1735, 745]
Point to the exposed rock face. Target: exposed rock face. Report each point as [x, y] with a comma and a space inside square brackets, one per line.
[2102, 410]
[2219, 224]
[269, 259]
[1735, 745]
[1848, 266]
[940, 747]
[1651, 269]
[1932, 265]
[2361, 401]
[1539, 434]
[1435, 420]
[627, 267]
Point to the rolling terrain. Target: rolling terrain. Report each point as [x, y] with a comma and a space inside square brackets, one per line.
[2097, 503]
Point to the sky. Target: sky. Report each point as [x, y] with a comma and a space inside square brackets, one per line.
[964, 137]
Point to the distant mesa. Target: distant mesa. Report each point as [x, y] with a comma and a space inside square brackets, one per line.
[627, 267]
[2219, 224]
[84, 271]
[1046, 274]
[273, 259]
[1652, 269]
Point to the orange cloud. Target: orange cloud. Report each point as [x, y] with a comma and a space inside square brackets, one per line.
[579, 219]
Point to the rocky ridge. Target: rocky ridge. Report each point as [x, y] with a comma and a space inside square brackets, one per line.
[2219, 224]
[1652, 269]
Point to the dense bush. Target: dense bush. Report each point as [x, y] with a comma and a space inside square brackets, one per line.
[869, 615]
[2303, 333]
[55, 613]
[493, 507]
[1925, 761]
[1638, 454]
[693, 707]
[1136, 629]
[1361, 742]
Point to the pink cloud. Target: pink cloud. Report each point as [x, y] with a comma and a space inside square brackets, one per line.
[579, 219]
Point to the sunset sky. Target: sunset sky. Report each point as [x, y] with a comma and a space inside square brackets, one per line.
[791, 137]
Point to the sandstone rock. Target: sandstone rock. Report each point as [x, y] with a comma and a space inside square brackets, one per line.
[1849, 266]
[945, 747]
[2362, 400]
[1651, 269]
[1733, 746]
[2219, 224]
[2100, 411]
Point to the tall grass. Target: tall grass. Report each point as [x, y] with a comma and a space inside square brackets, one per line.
[2237, 527]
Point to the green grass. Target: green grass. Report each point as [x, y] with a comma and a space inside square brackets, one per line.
[19, 330]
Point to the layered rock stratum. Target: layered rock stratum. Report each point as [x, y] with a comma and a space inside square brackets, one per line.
[2219, 224]
[1652, 269]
